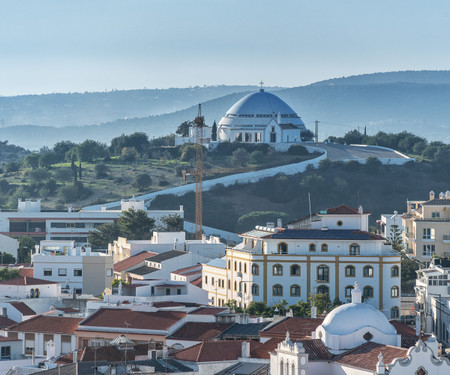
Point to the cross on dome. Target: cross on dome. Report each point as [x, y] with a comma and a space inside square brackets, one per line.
[261, 84]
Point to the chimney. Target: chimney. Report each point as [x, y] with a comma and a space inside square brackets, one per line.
[447, 194]
[245, 351]
[441, 195]
[431, 195]
[360, 210]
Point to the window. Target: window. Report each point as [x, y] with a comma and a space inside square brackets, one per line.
[78, 272]
[235, 265]
[368, 271]
[47, 271]
[354, 249]
[229, 264]
[255, 289]
[368, 292]
[245, 267]
[109, 272]
[348, 291]
[62, 271]
[394, 271]
[229, 284]
[6, 352]
[312, 247]
[235, 286]
[324, 247]
[282, 248]
[395, 292]
[167, 291]
[240, 266]
[295, 270]
[323, 273]
[255, 269]
[212, 281]
[339, 223]
[277, 290]
[178, 291]
[206, 280]
[436, 215]
[428, 250]
[395, 312]
[295, 291]
[428, 234]
[277, 270]
[350, 271]
[323, 289]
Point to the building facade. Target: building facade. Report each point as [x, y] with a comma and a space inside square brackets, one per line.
[427, 227]
[332, 252]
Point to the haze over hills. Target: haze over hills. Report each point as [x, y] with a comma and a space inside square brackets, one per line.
[392, 102]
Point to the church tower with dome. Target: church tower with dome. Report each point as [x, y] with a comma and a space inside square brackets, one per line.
[261, 117]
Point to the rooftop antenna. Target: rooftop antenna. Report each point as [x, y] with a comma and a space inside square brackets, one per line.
[261, 84]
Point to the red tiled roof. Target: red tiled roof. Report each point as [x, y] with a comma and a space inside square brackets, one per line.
[6, 322]
[6, 339]
[298, 328]
[23, 308]
[47, 324]
[197, 282]
[184, 271]
[208, 310]
[314, 347]
[26, 272]
[26, 281]
[125, 318]
[407, 333]
[132, 261]
[214, 351]
[67, 309]
[163, 304]
[343, 209]
[200, 331]
[366, 355]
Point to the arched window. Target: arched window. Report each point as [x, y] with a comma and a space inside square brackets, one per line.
[295, 291]
[350, 271]
[323, 289]
[245, 288]
[323, 273]
[282, 248]
[245, 267]
[354, 249]
[277, 270]
[368, 292]
[277, 290]
[255, 289]
[281, 372]
[395, 271]
[348, 291]
[368, 271]
[324, 247]
[240, 266]
[395, 291]
[395, 313]
[312, 247]
[235, 286]
[235, 265]
[295, 270]
[255, 269]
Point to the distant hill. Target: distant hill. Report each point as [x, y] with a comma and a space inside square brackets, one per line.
[392, 102]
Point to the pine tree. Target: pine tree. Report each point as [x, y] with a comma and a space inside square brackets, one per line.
[79, 171]
[214, 132]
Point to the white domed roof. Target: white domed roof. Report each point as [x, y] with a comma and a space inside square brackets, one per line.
[351, 317]
[262, 103]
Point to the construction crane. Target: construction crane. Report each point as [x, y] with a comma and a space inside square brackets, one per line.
[198, 173]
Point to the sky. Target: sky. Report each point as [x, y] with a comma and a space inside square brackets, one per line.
[51, 46]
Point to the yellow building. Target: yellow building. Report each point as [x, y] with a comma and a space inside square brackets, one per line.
[427, 227]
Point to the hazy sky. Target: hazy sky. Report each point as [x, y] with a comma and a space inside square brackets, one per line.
[94, 45]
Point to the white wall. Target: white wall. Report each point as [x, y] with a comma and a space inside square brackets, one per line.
[9, 245]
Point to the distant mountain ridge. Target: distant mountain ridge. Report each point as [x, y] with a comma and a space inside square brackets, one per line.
[391, 102]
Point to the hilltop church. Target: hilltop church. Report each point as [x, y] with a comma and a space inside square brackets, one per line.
[259, 117]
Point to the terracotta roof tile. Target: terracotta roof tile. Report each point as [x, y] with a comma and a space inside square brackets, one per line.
[125, 318]
[26, 281]
[197, 282]
[6, 322]
[208, 310]
[298, 328]
[343, 209]
[132, 261]
[214, 351]
[6, 339]
[188, 270]
[366, 355]
[26, 272]
[47, 324]
[200, 331]
[23, 308]
[407, 333]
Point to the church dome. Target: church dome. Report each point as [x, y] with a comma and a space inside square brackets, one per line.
[261, 103]
[351, 317]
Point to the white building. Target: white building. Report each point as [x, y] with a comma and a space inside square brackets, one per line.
[77, 269]
[261, 117]
[332, 252]
[29, 287]
[8, 245]
[433, 297]
[30, 220]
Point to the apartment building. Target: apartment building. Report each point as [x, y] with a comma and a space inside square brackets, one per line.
[427, 227]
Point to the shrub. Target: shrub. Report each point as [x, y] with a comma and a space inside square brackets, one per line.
[129, 154]
[240, 157]
[256, 157]
[297, 150]
[142, 181]
[101, 170]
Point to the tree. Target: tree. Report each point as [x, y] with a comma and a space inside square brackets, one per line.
[32, 161]
[46, 160]
[307, 135]
[321, 301]
[256, 157]
[408, 274]
[6, 258]
[90, 150]
[7, 274]
[373, 164]
[395, 236]
[103, 235]
[171, 223]
[60, 149]
[214, 132]
[101, 170]
[135, 224]
[188, 151]
[26, 245]
[183, 128]
[240, 157]
[129, 154]
[353, 137]
[142, 181]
